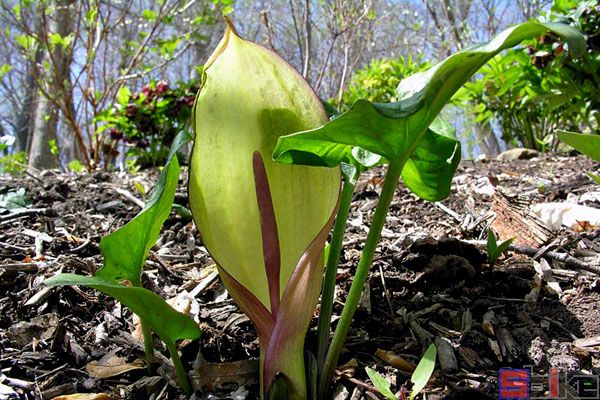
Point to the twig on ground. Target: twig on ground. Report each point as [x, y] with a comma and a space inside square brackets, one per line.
[569, 260]
[385, 290]
[448, 211]
[129, 196]
[20, 267]
[357, 382]
[31, 212]
[557, 324]
[13, 247]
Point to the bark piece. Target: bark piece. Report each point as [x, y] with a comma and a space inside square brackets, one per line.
[471, 358]
[209, 375]
[517, 154]
[508, 347]
[445, 354]
[514, 219]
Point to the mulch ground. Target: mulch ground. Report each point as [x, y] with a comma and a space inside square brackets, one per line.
[430, 283]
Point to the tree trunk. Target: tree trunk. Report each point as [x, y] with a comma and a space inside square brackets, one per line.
[46, 113]
[25, 121]
[64, 26]
[45, 122]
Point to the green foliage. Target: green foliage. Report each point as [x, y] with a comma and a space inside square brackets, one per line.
[378, 81]
[53, 147]
[125, 252]
[14, 164]
[533, 90]
[417, 147]
[423, 372]
[146, 122]
[76, 166]
[428, 170]
[4, 69]
[126, 249]
[494, 249]
[380, 383]
[394, 130]
[419, 377]
[169, 324]
[56, 39]
[584, 143]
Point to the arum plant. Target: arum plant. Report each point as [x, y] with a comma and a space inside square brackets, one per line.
[264, 223]
[418, 147]
[125, 252]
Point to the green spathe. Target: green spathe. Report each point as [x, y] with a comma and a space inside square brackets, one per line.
[249, 98]
[265, 224]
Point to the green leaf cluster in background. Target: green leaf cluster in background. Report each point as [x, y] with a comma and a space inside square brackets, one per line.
[377, 82]
[146, 122]
[15, 200]
[544, 85]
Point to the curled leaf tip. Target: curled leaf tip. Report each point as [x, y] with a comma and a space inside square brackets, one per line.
[230, 26]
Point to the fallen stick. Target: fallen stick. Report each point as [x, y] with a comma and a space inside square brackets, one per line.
[130, 197]
[31, 212]
[566, 258]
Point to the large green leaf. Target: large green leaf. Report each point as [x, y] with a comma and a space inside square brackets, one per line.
[393, 130]
[361, 126]
[587, 144]
[126, 249]
[429, 170]
[168, 324]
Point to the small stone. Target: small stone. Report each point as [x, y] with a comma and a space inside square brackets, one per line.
[517, 154]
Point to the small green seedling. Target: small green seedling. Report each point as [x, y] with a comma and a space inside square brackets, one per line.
[380, 383]
[140, 189]
[15, 200]
[494, 249]
[584, 143]
[419, 377]
[422, 373]
[76, 167]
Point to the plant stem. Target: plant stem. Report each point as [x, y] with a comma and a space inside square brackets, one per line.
[181, 374]
[148, 344]
[333, 262]
[362, 273]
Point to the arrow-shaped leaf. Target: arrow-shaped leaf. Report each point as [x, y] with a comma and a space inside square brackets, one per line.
[126, 249]
[393, 130]
[169, 324]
